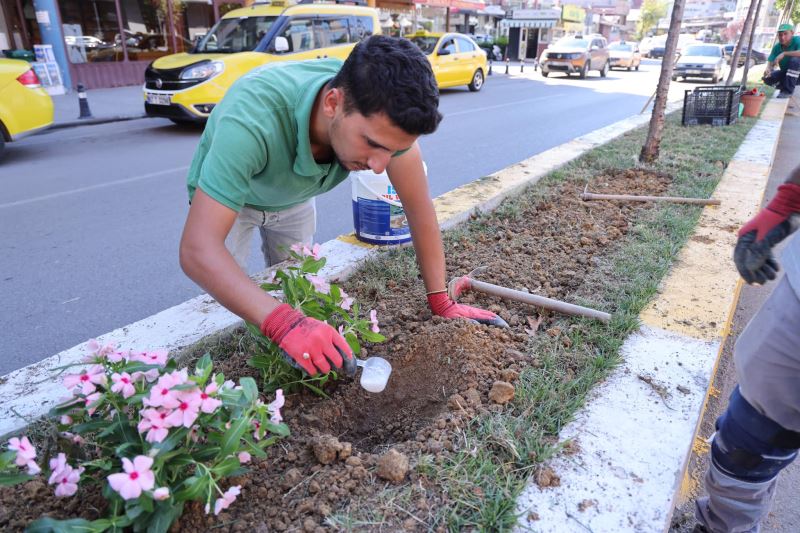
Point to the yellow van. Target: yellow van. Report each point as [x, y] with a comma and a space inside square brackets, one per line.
[185, 87]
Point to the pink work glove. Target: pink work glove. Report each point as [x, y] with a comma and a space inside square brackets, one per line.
[441, 304]
[310, 344]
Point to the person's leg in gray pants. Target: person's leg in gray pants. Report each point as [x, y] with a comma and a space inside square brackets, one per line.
[278, 229]
[759, 434]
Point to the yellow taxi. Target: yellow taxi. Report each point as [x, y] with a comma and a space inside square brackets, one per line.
[185, 87]
[25, 107]
[455, 58]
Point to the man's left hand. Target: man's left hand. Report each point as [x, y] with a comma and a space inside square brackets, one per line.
[441, 304]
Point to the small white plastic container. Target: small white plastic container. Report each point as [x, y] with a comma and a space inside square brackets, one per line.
[375, 373]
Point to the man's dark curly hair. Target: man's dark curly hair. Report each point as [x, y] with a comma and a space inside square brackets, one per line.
[392, 76]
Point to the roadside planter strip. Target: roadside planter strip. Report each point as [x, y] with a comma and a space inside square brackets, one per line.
[470, 412]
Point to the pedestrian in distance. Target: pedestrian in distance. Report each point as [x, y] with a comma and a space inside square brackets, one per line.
[759, 433]
[287, 132]
[785, 54]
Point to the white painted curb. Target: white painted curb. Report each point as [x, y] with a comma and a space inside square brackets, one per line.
[30, 392]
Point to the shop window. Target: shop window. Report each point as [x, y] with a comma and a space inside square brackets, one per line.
[91, 30]
[192, 21]
[146, 29]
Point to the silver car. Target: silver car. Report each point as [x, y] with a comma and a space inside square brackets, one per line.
[700, 61]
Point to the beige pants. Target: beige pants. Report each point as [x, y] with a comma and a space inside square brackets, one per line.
[279, 230]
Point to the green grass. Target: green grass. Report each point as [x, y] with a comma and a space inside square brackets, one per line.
[499, 452]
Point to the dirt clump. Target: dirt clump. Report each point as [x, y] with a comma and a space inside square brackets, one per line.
[502, 392]
[327, 449]
[546, 477]
[393, 466]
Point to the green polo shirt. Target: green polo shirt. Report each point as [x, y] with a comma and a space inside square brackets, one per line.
[794, 45]
[255, 150]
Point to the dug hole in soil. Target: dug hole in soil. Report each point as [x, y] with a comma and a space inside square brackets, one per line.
[355, 444]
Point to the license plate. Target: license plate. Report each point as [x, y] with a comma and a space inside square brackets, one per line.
[558, 64]
[694, 72]
[158, 99]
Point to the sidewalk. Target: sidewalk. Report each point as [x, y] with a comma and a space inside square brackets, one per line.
[106, 105]
[784, 515]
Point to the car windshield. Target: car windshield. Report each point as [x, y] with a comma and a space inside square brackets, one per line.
[233, 35]
[695, 50]
[572, 42]
[620, 46]
[426, 44]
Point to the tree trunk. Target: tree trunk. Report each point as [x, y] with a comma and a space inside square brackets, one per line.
[750, 44]
[651, 146]
[737, 51]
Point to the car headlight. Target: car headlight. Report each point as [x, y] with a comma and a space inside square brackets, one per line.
[545, 54]
[575, 56]
[203, 71]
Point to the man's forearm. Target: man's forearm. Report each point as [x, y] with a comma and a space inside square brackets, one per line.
[427, 238]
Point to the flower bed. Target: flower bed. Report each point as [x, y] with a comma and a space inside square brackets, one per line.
[470, 411]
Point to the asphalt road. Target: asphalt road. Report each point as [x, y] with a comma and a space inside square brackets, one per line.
[90, 217]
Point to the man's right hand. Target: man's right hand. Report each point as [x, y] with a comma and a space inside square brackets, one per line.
[313, 345]
[753, 253]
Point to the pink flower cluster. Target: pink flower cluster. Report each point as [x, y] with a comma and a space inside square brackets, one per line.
[63, 476]
[26, 453]
[373, 318]
[304, 251]
[170, 408]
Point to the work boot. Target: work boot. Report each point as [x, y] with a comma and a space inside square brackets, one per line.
[784, 94]
[700, 528]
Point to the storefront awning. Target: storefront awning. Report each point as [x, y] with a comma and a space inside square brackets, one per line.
[522, 23]
[463, 5]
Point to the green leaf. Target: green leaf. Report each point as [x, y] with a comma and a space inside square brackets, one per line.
[352, 341]
[371, 336]
[193, 488]
[64, 408]
[270, 286]
[6, 479]
[73, 525]
[249, 388]
[253, 447]
[230, 441]
[312, 266]
[228, 465]
[89, 427]
[166, 513]
[282, 430]
[204, 365]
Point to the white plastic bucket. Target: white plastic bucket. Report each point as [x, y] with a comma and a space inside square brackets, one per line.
[378, 216]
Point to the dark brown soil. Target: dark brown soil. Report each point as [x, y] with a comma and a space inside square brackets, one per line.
[443, 372]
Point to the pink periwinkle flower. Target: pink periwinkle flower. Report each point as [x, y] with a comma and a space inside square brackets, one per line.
[227, 499]
[155, 357]
[347, 301]
[319, 283]
[162, 395]
[187, 410]
[161, 493]
[274, 408]
[92, 402]
[209, 404]
[150, 376]
[87, 379]
[99, 351]
[57, 465]
[123, 384]
[67, 481]
[65, 420]
[154, 421]
[257, 432]
[244, 457]
[25, 450]
[136, 478]
[33, 468]
[373, 318]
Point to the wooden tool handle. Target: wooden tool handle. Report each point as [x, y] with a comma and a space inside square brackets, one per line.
[539, 301]
[588, 196]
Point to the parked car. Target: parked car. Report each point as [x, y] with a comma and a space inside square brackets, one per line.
[624, 54]
[756, 56]
[659, 46]
[700, 61]
[455, 58]
[576, 54]
[25, 107]
[645, 45]
[176, 85]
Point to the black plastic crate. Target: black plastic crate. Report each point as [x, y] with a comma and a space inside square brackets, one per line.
[715, 105]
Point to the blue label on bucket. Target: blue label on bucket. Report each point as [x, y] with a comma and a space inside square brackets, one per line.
[377, 222]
